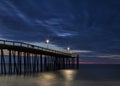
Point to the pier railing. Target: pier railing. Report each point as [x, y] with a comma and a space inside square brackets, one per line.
[26, 45]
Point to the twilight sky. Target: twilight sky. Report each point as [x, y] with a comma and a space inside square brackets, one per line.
[90, 27]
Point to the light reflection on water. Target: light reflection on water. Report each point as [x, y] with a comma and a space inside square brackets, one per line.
[46, 79]
[57, 78]
[68, 74]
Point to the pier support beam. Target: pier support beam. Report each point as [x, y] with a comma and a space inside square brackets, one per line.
[3, 66]
[10, 63]
[14, 62]
[25, 67]
[41, 63]
[78, 62]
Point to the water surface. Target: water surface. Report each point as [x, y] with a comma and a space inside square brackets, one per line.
[87, 75]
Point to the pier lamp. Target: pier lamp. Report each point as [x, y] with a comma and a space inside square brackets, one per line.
[68, 49]
[47, 42]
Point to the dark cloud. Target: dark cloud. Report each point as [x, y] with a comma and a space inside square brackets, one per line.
[81, 24]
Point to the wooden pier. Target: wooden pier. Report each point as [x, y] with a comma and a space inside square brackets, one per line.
[23, 58]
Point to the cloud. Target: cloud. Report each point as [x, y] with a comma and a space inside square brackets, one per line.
[50, 46]
[82, 25]
[81, 51]
[54, 21]
[58, 30]
[13, 11]
[64, 34]
[110, 56]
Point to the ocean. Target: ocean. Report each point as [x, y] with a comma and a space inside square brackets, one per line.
[86, 75]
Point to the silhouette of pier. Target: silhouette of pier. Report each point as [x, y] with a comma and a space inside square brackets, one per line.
[23, 58]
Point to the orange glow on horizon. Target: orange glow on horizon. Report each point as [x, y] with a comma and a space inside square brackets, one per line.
[99, 62]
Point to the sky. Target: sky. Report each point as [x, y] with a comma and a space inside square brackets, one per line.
[88, 27]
